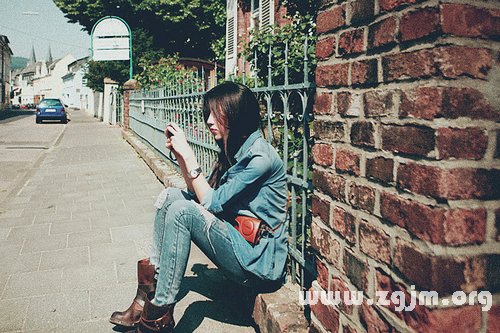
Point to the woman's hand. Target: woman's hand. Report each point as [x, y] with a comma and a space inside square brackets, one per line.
[177, 143]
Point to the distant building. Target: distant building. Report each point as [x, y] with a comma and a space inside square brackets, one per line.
[51, 85]
[40, 79]
[5, 57]
[74, 90]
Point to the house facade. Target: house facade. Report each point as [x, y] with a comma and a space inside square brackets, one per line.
[5, 58]
[39, 79]
[243, 16]
[51, 85]
[74, 91]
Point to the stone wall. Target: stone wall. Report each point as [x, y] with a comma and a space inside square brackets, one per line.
[406, 170]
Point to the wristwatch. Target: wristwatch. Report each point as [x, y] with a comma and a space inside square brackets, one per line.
[194, 173]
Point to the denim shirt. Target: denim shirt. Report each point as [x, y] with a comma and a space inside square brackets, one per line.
[255, 186]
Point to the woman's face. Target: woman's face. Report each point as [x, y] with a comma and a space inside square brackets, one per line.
[215, 127]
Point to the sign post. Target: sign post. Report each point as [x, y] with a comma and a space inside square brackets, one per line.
[111, 39]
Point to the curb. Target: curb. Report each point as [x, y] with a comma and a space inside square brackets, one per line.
[164, 172]
[280, 312]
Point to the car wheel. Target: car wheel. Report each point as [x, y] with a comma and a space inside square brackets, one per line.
[38, 120]
[64, 120]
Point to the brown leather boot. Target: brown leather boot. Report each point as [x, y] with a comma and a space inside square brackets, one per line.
[146, 284]
[156, 319]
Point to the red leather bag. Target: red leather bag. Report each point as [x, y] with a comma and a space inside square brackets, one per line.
[249, 227]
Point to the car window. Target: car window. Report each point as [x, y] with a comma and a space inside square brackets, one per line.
[50, 102]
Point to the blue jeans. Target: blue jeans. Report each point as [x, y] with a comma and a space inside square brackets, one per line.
[180, 221]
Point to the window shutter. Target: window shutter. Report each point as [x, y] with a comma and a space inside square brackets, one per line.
[231, 36]
[266, 14]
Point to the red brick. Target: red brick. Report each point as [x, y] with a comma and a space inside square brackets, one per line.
[325, 47]
[322, 154]
[419, 23]
[461, 319]
[461, 143]
[385, 283]
[351, 42]
[437, 225]
[442, 274]
[362, 197]
[327, 130]
[362, 11]
[451, 184]
[323, 103]
[374, 242]
[340, 286]
[379, 103]
[388, 5]
[327, 247]
[456, 61]
[323, 274]
[397, 139]
[327, 315]
[356, 270]
[435, 102]
[363, 134]
[331, 19]
[383, 33]
[344, 223]
[464, 226]
[332, 75]
[343, 102]
[364, 72]
[321, 208]
[372, 320]
[409, 65]
[494, 319]
[380, 168]
[349, 105]
[347, 161]
[467, 102]
[330, 184]
[468, 21]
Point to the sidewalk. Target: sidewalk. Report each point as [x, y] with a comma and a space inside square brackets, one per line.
[70, 239]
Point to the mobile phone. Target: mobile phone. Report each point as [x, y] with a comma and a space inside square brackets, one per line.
[168, 134]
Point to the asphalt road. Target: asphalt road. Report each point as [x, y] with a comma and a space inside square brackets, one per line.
[22, 143]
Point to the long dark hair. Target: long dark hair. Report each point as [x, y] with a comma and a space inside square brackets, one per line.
[236, 109]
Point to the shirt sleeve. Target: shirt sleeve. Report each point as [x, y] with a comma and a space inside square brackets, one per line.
[257, 167]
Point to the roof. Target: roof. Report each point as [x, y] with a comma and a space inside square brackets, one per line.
[6, 42]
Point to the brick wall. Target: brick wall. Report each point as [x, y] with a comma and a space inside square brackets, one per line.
[407, 167]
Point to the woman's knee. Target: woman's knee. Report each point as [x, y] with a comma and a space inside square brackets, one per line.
[182, 211]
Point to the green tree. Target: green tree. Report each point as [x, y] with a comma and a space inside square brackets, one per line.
[190, 28]
[187, 27]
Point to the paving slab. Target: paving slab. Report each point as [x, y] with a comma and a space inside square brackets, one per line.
[72, 231]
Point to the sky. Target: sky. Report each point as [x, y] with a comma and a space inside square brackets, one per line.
[23, 28]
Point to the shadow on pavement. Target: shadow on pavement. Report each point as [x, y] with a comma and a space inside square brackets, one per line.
[11, 115]
[227, 302]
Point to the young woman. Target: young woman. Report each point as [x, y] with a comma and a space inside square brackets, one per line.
[248, 180]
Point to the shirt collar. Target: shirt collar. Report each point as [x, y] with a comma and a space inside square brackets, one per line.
[248, 143]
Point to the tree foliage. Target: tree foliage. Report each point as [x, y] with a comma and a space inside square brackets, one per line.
[187, 27]
[190, 28]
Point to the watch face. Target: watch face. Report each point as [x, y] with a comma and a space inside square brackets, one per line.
[194, 173]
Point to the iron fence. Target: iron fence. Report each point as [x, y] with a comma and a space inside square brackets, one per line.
[286, 116]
